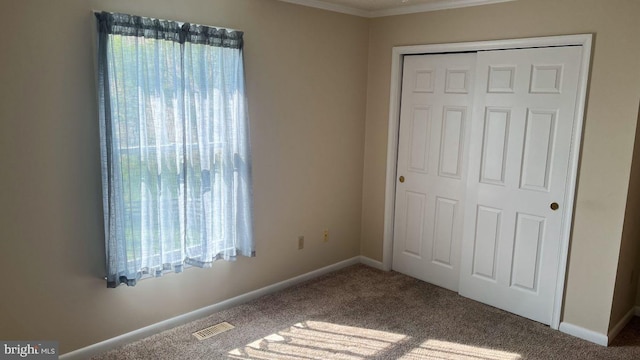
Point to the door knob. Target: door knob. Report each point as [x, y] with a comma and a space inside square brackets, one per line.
[554, 206]
[401, 179]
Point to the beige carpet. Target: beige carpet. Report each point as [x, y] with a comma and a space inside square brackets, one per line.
[362, 313]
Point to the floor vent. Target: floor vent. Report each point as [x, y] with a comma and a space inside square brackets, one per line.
[212, 330]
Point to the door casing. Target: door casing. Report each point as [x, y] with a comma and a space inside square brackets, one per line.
[584, 40]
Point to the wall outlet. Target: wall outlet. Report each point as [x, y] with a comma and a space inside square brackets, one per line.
[300, 242]
[325, 235]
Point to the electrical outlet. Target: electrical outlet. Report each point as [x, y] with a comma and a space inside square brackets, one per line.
[300, 242]
[325, 235]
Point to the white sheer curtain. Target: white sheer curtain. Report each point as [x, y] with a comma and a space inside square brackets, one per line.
[176, 163]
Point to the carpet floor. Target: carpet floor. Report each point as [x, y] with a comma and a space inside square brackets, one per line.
[363, 313]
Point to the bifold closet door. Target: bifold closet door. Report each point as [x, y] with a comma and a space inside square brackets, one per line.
[435, 114]
[521, 139]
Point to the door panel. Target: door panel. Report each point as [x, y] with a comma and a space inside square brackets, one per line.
[444, 233]
[494, 147]
[420, 139]
[437, 93]
[520, 144]
[526, 254]
[486, 240]
[414, 225]
[539, 131]
[452, 141]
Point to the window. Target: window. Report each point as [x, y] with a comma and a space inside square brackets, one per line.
[176, 164]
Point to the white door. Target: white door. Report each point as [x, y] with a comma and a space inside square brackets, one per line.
[521, 138]
[437, 93]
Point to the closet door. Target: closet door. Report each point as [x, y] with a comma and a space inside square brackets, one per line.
[521, 139]
[437, 93]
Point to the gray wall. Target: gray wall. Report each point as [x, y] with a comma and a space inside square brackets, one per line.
[318, 89]
[609, 132]
[625, 295]
[306, 88]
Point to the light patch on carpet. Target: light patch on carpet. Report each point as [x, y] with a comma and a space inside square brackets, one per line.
[436, 349]
[318, 340]
[212, 331]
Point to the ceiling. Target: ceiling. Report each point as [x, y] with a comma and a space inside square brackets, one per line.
[377, 8]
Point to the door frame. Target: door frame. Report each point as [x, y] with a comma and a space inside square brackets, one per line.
[398, 53]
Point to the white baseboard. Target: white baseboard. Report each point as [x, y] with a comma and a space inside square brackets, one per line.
[101, 347]
[371, 263]
[585, 334]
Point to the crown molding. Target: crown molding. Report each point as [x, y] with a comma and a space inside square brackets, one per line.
[401, 10]
[440, 5]
[330, 7]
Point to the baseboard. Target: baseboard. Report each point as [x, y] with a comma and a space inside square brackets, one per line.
[621, 324]
[101, 347]
[585, 334]
[372, 263]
